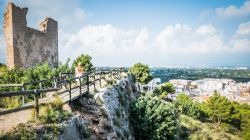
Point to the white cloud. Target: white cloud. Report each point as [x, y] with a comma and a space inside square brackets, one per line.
[103, 40]
[240, 45]
[206, 29]
[108, 44]
[244, 28]
[181, 39]
[233, 11]
[116, 43]
[67, 13]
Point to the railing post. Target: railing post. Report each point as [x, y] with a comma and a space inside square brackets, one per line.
[60, 75]
[55, 83]
[80, 86]
[23, 97]
[100, 79]
[69, 90]
[36, 104]
[40, 87]
[94, 82]
[87, 83]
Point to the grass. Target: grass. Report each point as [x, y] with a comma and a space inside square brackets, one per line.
[53, 112]
[49, 116]
[196, 130]
[10, 102]
[32, 132]
[22, 131]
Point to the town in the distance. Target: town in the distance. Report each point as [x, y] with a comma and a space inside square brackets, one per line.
[200, 83]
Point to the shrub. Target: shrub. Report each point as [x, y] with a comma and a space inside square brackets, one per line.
[186, 106]
[219, 108]
[85, 60]
[53, 112]
[164, 90]
[22, 132]
[152, 118]
[141, 73]
[39, 72]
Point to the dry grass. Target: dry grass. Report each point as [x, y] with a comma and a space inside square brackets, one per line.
[207, 131]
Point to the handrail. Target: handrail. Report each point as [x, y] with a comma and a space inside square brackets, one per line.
[90, 80]
[11, 85]
[15, 93]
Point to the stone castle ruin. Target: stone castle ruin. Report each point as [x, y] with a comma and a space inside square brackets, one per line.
[26, 46]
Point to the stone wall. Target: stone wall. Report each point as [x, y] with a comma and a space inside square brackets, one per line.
[27, 47]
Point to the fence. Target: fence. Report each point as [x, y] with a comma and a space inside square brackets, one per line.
[64, 80]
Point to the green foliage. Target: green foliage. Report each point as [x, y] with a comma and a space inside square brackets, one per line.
[3, 68]
[164, 90]
[141, 73]
[166, 74]
[63, 68]
[186, 106]
[219, 108]
[30, 132]
[191, 128]
[11, 102]
[21, 132]
[152, 118]
[11, 76]
[53, 112]
[85, 60]
[241, 119]
[39, 72]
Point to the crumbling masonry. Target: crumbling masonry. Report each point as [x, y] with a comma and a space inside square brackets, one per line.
[27, 47]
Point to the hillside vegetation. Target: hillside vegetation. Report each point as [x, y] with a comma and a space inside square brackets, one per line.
[218, 118]
[36, 73]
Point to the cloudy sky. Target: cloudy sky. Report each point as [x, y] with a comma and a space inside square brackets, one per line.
[158, 33]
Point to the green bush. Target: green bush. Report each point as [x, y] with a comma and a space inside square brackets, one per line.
[219, 108]
[141, 73]
[85, 60]
[164, 90]
[30, 132]
[21, 132]
[187, 106]
[152, 118]
[53, 112]
[39, 72]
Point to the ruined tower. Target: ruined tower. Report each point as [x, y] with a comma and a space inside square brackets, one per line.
[26, 46]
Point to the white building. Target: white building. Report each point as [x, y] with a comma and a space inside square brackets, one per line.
[210, 84]
[153, 84]
[180, 84]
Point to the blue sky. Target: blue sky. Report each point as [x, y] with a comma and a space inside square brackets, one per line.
[155, 32]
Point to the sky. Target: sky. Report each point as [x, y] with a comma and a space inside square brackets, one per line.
[154, 32]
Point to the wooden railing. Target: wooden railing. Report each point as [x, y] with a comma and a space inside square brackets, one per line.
[64, 80]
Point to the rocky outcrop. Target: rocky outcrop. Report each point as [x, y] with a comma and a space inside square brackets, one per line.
[116, 102]
[104, 115]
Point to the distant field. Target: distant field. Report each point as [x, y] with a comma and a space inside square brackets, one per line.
[194, 74]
